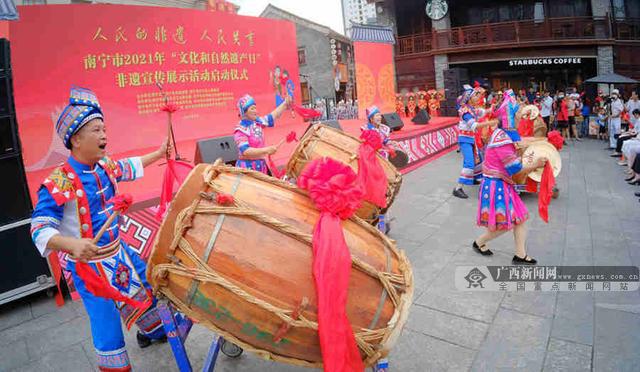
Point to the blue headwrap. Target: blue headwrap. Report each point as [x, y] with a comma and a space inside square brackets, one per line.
[244, 103]
[371, 112]
[82, 108]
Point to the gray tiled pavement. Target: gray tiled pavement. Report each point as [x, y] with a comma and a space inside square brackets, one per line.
[594, 222]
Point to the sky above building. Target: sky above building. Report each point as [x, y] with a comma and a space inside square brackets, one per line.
[325, 12]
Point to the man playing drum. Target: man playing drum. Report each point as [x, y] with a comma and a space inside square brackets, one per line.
[73, 204]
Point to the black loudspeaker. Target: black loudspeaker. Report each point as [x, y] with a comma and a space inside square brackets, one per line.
[393, 121]
[14, 194]
[454, 79]
[21, 263]
[5, 55]
[209, 150]
[421, 118]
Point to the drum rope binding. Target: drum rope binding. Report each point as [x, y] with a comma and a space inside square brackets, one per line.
[392, 283]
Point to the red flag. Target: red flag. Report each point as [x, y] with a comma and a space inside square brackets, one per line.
[335, 190]
[176, 172]
[370, 172]
[546, 191]
[99, 287]
[306, 113]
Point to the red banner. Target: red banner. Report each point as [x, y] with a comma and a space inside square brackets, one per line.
[204, 60]
[375, 76]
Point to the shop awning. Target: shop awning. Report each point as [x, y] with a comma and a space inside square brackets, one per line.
[611, 79]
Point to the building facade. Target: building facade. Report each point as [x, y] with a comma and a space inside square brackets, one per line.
[325, 57]
[540, 44]
[357, 11]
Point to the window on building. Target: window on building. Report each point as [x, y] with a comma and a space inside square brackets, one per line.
[302, 57]
[569, 8]
[304, 89]
[491, 13]
[632, 9]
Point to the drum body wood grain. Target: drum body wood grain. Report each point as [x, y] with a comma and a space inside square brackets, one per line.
[321, 140]
[244, 270]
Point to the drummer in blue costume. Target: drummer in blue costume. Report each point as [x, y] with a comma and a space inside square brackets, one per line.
[73, 205]
[375, 122]
[469, 114]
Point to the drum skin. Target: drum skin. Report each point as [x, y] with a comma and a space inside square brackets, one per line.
[244, 270]
[321, 140]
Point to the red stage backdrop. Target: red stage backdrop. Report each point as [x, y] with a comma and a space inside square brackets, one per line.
[375, 76]
[204, 60]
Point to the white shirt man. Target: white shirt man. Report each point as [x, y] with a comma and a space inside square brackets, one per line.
[614, 120]
[546, 105]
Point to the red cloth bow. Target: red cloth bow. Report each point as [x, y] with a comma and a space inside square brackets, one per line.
[292, 136]
[335, 190]
[121, 202]
[224, 199]
[370, 172]
[170, 108]
[556, 139]
[546, 191]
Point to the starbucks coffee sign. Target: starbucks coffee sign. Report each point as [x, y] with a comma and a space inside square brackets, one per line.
[555, 61]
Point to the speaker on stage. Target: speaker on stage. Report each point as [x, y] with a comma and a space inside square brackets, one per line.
[209, 150]
[421, 118]
[14, 195]
[454, 79]
[393, 121]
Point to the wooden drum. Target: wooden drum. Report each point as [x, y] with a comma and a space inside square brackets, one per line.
[321, 140]
[244, 270]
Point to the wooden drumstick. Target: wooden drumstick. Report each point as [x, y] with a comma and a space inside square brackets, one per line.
[120, 205]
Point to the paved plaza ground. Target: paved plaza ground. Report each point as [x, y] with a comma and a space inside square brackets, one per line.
[594, 222]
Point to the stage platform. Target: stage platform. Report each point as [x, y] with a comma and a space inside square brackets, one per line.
[422, 143]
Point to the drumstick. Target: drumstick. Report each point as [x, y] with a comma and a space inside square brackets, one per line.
[105, 226]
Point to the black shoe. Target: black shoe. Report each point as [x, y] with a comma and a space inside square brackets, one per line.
[486, 252]
[145, 341]
[523, 261]
[459, 193]
[634, 183]
[637, 194]
[615, 155]
[629, 179]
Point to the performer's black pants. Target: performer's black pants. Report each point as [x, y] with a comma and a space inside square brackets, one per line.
[620, 141]
[636, 165]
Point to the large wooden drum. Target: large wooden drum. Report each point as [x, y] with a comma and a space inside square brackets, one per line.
[322, 140]
[244, 270]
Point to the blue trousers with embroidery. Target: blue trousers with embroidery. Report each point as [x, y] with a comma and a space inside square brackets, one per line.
[105, 318]
[471, 164]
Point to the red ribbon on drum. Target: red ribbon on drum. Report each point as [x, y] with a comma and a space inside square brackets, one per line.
[336, 191]
[371, 175]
